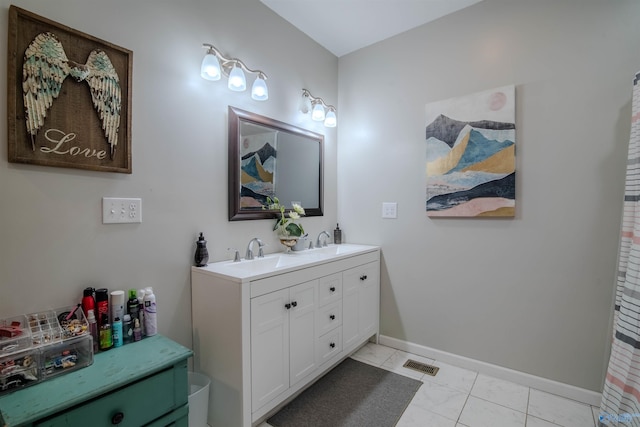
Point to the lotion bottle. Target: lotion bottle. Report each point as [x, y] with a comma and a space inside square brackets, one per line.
[137, 332]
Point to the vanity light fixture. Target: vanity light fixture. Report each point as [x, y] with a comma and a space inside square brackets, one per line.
[317, 107]
[215, 64]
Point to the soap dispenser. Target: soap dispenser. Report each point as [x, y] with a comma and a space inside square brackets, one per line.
[202, 255]
[337, 235]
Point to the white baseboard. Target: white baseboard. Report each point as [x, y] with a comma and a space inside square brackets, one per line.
[543, 384]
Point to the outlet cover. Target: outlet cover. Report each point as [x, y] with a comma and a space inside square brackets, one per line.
[117, 210]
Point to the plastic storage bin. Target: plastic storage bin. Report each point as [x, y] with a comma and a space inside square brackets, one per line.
[66, 356]
[72, 322]
[198, 399]
[38, 346]
[14, 335]
[53, 326]
[19, 370]
[44, 328]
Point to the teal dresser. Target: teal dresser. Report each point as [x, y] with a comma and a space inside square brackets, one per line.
[140, 384]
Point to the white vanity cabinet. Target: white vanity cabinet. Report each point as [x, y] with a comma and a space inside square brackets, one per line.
[282, 340]
[361, 287]
[263, 330]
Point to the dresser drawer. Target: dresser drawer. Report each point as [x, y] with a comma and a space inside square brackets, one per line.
[136, 405]
[177, 418]
[330, 289]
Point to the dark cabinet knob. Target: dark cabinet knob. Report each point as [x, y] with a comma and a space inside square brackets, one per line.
[287, 306]
[332, 317]
[332, 289]
[363, 277]
[117, 418]
[332, 345]
[294, 303]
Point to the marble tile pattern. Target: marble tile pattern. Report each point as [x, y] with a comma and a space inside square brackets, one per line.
[458, 397]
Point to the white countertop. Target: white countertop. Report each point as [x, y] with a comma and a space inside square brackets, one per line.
[281, 262]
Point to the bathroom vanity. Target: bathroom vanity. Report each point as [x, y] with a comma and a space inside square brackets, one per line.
[265, 329]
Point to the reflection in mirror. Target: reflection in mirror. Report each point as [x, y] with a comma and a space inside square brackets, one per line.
[269, 158]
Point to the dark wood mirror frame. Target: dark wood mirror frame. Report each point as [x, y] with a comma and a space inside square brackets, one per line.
[236, 118]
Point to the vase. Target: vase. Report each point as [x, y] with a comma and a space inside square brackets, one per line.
[286, 239]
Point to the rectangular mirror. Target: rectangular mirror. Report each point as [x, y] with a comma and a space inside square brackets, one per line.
[269, 158]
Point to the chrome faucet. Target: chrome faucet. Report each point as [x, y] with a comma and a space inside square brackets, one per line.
[324, 242]
[249, 254]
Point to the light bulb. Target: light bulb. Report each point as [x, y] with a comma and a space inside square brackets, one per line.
[237, 81]
[259, 90]
[330, 120]
[318, 113]
[305, 104]
[210, 68]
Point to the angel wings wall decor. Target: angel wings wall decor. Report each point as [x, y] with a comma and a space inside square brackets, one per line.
[69, 97]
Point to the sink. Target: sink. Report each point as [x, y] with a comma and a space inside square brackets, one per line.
[268, 262]
[334, 250]
[258, 266]
[280, 262]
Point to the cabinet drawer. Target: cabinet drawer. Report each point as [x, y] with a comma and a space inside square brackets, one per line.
[138, 404]
[329, 345]
[330, 289]
[177, 418]
[329, 317]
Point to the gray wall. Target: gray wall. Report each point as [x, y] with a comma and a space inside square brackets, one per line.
[532, 293]
[52, 240]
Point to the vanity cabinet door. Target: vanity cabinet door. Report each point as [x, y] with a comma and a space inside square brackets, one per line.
[369, 299]
[360, 304]
[350, 290]
[283, 340]
[269, 346]
[302, 330]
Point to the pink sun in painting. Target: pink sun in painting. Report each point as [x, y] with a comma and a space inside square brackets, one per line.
[497, 100]
[245, 143]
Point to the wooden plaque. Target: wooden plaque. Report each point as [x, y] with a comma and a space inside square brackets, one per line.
[77, 92]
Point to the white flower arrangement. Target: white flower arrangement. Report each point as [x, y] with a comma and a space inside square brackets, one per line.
[287, 226]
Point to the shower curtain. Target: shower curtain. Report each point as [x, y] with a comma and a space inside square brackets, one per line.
[621, 393]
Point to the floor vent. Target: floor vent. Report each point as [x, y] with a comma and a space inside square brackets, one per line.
[421, 367]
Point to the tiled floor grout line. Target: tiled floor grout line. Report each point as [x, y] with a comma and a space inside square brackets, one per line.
[467, 399]
[465, 404]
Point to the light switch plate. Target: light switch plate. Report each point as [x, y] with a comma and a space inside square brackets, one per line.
[117, 210]
[389, 210]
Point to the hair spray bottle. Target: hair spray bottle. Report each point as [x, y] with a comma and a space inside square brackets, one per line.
[150, 313]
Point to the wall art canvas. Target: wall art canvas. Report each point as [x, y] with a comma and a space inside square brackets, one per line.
[69, 97]
[470, 144]
[257, 169]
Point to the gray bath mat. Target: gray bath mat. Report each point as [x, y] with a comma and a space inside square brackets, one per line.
[353, 394]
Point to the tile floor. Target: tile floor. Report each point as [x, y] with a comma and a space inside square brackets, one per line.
[458, 397]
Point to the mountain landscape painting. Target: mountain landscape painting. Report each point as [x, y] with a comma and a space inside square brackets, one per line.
[257, 169]
[471, 155]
